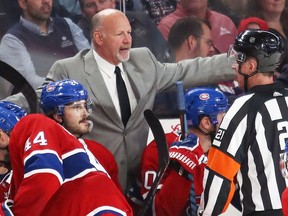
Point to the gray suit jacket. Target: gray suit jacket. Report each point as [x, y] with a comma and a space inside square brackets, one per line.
[147, 77]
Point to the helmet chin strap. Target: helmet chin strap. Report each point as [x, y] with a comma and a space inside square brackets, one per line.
[211, 134]
[246, 76]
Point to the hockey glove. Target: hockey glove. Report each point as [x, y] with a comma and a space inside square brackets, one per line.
[188, 153]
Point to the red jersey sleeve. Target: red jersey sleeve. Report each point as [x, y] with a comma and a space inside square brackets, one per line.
[106, 159]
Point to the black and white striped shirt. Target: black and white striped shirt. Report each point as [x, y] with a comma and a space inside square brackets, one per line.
[247, 150]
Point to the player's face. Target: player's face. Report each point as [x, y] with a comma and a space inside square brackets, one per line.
[75, 118]
[36, 11]
[91, 7]
[116, 40]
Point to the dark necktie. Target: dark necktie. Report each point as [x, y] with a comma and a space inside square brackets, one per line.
[123, 97]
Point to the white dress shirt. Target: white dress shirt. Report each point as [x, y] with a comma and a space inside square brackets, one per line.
[107, 71]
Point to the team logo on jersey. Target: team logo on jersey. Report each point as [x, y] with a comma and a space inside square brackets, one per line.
[204, 96]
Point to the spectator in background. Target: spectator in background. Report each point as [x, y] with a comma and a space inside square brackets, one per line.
[9, 15]
[233, 9]
[33, 44]
[252, 23]
[223, 29]
[144, 31]
[157, 9]
[272, 11]
[188, 38]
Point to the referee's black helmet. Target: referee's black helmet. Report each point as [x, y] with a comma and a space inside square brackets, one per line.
[265, 46]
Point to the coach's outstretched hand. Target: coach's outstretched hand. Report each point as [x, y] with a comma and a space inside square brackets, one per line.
[187, 153]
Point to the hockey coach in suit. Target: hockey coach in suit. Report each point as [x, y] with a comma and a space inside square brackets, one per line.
[143, 76]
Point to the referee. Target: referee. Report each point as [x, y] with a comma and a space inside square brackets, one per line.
[252, 135]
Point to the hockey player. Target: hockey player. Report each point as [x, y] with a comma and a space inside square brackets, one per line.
[55, 174]
[247, 147]
[67, 103]
[205, 108]
[10, 114]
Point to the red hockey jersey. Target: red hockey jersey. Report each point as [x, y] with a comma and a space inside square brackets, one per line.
[172, 198]
[50, 164]
[105, 157]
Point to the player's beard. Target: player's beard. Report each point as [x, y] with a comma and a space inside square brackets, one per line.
[77, 129]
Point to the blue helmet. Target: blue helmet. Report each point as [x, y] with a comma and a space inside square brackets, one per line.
[10, 114]
[204, 102]
[56, 95]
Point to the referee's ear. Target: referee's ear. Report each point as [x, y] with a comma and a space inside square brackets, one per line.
[252, 64]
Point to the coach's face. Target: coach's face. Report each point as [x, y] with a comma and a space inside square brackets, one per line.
[114, 38]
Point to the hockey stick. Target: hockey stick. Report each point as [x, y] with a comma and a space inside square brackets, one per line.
[163, 156]
[181, 109]
[184, 130]
[20, 84]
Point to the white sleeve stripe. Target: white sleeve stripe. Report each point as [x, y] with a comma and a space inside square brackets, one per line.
[85, 172]
[267, 158]
[237, 137]
[234, 110]
[45, 171]
[273, 109]
[106, 208]
[255, 186]
[213, 194]
[76, 151]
